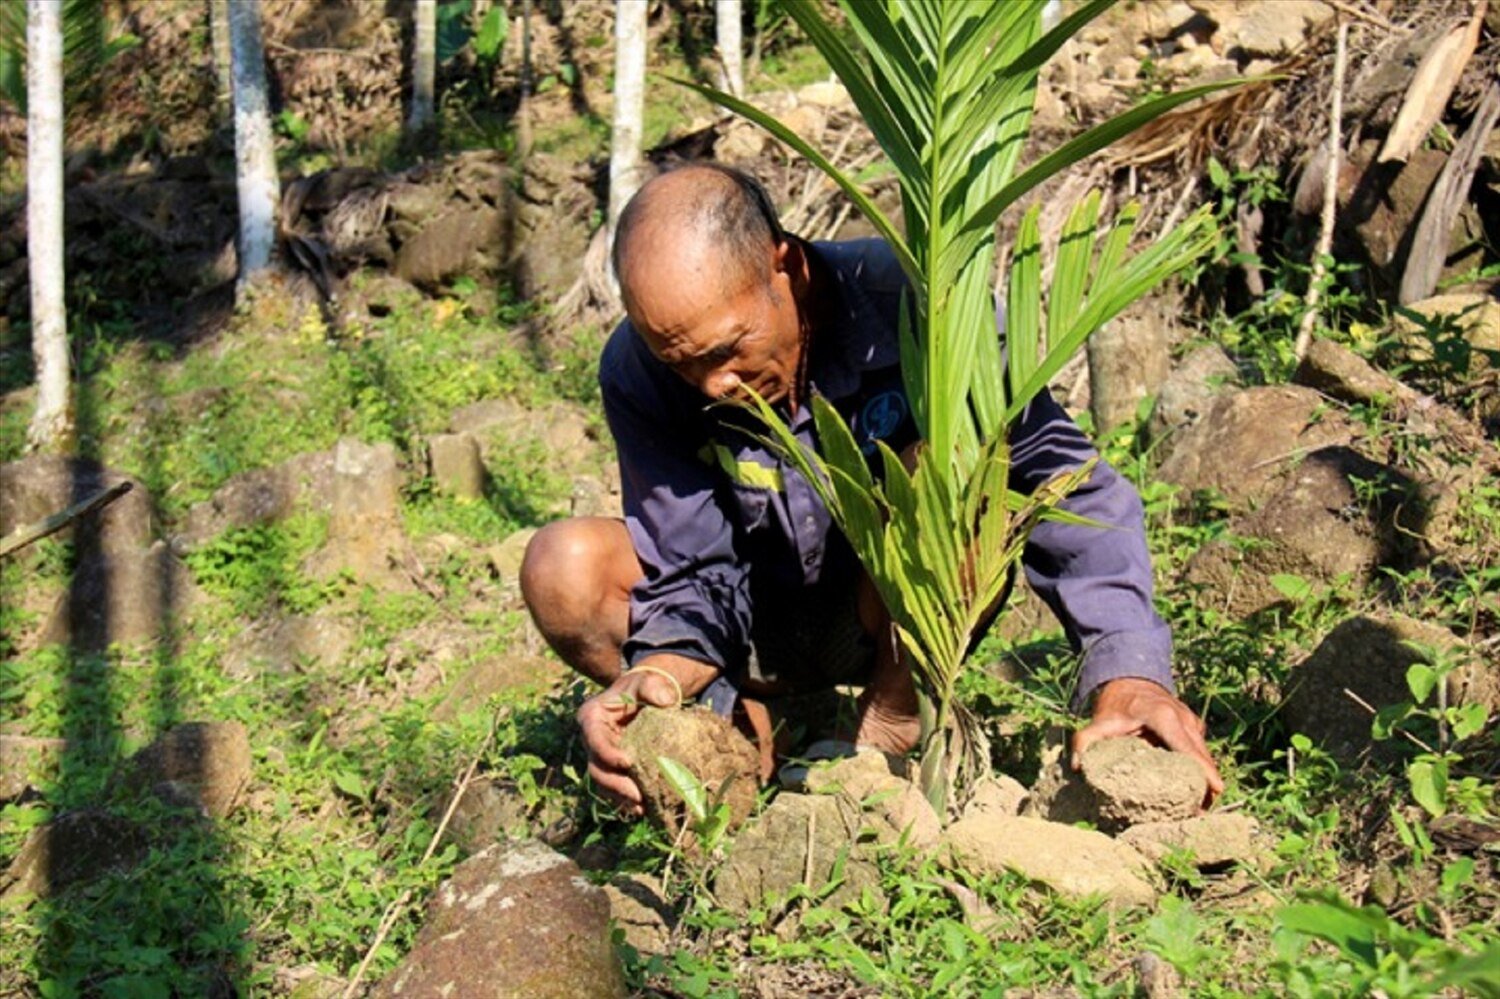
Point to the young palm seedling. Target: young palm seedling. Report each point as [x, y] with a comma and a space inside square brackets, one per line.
[947, 88]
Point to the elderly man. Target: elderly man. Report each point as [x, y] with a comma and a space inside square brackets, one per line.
[726, 579]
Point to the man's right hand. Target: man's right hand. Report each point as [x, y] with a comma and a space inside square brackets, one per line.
[603, 718]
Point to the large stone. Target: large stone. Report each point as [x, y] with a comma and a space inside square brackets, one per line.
[1368, 657]
[998, 795]
[1338, 372]
[1248, 437]
[364, 526]
[1189, 391]
[639, 910]
[1333, 515]
[513, 920]
[262, 496]
[797, 842]
[129, 597]
[491, 675]
[210, 761]
[73, 847]
[1129, 359]
[1134, 782]
[41, 485]
[1460, 332]
[1210, 841]
[1248, 29]
[447, 245]
[894, 808]
[281, 644]
[724, 762]
[456, 466]
[1076, 863]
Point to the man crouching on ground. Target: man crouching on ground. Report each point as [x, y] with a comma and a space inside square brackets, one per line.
[726, 579]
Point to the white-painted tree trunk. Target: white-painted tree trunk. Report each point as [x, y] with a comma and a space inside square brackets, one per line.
[423, 65]
[630, 102]
[218, 29]
[254, 151]
[727, 25]
[52, 424]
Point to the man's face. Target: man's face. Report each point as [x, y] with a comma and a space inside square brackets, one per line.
[721, 339]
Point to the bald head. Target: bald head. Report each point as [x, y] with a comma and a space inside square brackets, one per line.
[711, 219]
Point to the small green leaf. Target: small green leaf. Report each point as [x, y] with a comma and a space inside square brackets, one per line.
[1468, 721]
[1429, 785]
[351, 784]
[1294, 588]
[1420, 680]
[686, 784]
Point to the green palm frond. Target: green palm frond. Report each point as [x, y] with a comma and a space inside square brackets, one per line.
[947, 88]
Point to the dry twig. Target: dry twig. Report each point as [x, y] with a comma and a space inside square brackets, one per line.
[393, 911]
[1330, 192]
[51, 525]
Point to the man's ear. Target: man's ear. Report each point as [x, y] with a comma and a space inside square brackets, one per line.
[788, 258]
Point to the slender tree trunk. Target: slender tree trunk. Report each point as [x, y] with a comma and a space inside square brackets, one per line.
[727, 25]
[523, 111]
[630, 102]
[423, 66]
[52, 425]
[254, 152]
[218, 24]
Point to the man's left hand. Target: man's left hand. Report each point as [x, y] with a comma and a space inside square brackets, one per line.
[1133, 707]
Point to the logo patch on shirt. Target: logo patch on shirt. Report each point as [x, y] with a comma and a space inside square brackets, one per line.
[880, 418]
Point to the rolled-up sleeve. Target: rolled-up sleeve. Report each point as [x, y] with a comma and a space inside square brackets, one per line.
[1097, 580]
[694, 599]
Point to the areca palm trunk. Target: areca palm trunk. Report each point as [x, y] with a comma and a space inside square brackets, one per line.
[254, 151]
[52, 422]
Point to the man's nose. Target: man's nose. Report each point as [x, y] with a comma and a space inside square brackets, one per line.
[720, 383]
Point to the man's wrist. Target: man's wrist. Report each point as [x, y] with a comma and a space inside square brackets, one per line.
[692, 675]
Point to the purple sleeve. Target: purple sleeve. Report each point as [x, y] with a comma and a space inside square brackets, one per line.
[694, 600]
[1097, 580]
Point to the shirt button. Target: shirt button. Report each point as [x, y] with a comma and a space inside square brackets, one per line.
[811, 559]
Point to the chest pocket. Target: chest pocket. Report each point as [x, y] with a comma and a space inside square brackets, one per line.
[753, 484]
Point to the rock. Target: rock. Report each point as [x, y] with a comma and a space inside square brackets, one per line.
[1215, 840]
[1247, 437]
[129, 597]
[27, 761]
[796, 843]
[364, 526]
[638, 908]
[1135, 782]
[722, 759]
[280, 644]
[209, 759]
[1369, 656]
[1385, 202]
[456, 467]
[262, 496]
[740, 143]
[1076, 863]
[1463, 330]
[446, 246]
[894, 807]
[1060, 793]
[827, 94]
[487, 414]
[75, 846]
[592, 497]
[1332, 515]
[493, 810]
[41, 485]
[513, 920]
[1129, 358]
[505, 558]
[1189, 391]
[1338, 372]
[1247, 29]
[996, 796]
[492, 675]
[807, 120]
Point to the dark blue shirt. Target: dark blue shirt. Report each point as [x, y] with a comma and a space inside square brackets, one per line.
[716, 516]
